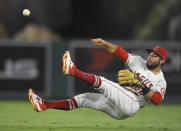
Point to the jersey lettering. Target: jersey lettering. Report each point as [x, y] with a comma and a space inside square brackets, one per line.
[144, 80]
[142, 77]
[150, 86]
[163, 90]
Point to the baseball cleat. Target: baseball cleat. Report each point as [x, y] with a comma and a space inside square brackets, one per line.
[68, 65]
[36, 101]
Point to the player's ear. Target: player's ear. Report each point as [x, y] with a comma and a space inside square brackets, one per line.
[162, 61]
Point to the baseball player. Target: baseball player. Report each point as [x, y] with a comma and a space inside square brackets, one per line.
[142, 82]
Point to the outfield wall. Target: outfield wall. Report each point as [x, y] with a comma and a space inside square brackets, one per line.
[37, 65]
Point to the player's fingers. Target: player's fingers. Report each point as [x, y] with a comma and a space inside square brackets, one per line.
[120, 74]
[122, 78]
[93, 40]
[123, 71]
[123, 82]
[96, 41]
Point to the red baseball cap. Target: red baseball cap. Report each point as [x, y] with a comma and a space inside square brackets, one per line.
[160, 51]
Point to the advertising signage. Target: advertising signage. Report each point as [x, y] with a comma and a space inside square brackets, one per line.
[23, 66]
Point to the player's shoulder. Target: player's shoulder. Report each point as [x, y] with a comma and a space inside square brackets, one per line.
[133, 58]
[161, 79]
[161, 75]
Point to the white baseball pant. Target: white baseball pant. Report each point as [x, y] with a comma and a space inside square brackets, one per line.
[113, 99]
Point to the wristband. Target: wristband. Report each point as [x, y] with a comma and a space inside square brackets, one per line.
[145, 90]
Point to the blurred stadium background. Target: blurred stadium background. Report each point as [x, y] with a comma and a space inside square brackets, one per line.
[31, 47]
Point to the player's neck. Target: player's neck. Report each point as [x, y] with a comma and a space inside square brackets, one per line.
[156, 70]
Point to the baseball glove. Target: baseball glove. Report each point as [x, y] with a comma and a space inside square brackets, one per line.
[127, 77]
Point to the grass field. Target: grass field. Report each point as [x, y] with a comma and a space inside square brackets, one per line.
[20, 116]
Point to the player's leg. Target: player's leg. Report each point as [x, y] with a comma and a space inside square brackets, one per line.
[40, 104]
[91, 100]
[126, 102]
[97, 101]
[69, 68]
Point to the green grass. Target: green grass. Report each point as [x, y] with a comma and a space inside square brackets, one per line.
[20, 116]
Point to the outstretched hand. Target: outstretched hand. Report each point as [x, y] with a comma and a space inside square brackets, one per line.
[98, 41]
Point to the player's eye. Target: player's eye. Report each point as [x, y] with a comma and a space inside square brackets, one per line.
[153, 55]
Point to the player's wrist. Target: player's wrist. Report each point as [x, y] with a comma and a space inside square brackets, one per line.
[110, 47]
[145, 90]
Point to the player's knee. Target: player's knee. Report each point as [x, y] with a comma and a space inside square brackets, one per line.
[123, 116]
[130, 112]
[81, 99]
[120, 117]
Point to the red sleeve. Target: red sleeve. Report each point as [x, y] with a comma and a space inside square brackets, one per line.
[121, 53]
[156, 98]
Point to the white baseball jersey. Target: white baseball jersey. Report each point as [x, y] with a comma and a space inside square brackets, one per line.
[156, 82]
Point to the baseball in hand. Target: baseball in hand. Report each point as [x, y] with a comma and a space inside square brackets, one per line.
[26, 12]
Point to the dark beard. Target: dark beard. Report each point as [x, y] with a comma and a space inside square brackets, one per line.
[151, 67]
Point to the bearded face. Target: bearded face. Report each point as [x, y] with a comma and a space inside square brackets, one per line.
[153, 61]
[152, 66]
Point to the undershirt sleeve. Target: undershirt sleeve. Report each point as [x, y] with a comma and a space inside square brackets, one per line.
[121, 53]
[156, 98]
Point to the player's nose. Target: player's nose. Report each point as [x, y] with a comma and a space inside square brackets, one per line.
[149, 57]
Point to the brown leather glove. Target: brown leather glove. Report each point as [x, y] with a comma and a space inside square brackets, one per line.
[126, 77]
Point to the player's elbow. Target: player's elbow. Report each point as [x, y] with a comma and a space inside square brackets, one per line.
[156, 98]
[157, 102]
